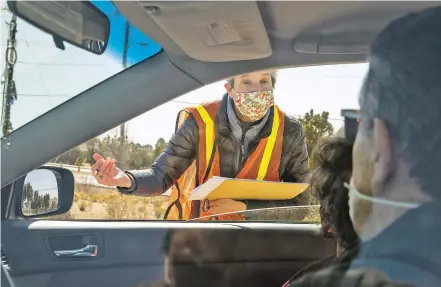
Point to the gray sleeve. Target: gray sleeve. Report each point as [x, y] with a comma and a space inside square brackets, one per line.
[169, 166]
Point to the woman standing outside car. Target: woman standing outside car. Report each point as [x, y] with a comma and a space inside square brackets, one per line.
[243, 135]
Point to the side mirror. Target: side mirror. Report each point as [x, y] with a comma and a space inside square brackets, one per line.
[45, 191]
[79, 23]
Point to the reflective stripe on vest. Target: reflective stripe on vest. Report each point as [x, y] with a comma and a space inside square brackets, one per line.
[269, 146]
[209, 131]
[209, 139]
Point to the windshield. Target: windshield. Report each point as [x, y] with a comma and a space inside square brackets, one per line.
[325, 172]
[320, 116]
[45, 76]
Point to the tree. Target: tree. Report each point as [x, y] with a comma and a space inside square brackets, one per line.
[115, 148]
[160, 146]
[54, 203]
[340, 132]
[141, 157]
[92, 147]
[46, 202]
[316, 126]
[70, 156]
[37, 202]
[28, 193]
[128, 155]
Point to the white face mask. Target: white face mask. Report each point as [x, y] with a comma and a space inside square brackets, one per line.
[354, 194]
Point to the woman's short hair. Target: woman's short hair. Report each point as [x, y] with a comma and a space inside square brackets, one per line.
[332, 167]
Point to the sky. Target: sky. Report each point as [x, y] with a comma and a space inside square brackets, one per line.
[44, 181]
[46, 77]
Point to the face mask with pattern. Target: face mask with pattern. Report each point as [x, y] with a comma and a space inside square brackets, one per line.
[253, 105]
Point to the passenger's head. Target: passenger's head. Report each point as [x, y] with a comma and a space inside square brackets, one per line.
[397, 154]
[252, 94]
[199, 257]
[332, 160]
[191, 255]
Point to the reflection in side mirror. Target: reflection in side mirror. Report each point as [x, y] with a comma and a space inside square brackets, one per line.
[79, 23]
[40, 193]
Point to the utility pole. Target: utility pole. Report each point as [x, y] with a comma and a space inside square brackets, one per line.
[122, 155]
[122, 128]
[9, 88]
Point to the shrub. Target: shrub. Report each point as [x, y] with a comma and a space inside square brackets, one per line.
[125, 207]
[117, 206]
[84, 205]
[81, 195]
[95, 197]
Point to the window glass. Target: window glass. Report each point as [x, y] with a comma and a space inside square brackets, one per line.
[313, 95]
[45, 76]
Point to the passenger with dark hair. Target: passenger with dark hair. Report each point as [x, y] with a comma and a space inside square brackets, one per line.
[333, 167]
[395, 189]
[332, 160]
[223, 258]
[198, 258]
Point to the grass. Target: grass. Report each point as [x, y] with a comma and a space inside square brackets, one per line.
[90, 203]
[107, 204]
[100, 198]
[313, 216]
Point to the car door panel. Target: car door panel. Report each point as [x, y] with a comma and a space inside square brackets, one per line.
[132, 252]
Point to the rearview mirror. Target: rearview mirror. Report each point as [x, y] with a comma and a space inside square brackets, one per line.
[45, 191]
[79, 23]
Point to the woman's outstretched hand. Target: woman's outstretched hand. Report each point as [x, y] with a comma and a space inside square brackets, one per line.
[106, 172]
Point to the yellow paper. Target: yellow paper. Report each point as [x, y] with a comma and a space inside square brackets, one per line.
[242, 189]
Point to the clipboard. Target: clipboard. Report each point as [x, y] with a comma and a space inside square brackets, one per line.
[243, 189]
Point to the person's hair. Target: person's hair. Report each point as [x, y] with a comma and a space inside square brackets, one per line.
[403, 88]
[332, 160]
[273, 79]
[166, 243]
[195, 256]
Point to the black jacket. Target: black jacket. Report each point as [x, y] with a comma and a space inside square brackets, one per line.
[407, 253]
[181, 151]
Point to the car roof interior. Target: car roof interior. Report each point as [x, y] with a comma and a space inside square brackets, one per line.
[264, 35]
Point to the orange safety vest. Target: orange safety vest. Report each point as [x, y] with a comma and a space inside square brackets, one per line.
[262, 164]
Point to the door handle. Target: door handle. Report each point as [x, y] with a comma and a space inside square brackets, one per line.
[89, 250]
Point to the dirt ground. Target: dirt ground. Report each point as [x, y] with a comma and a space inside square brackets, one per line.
[115, 206]
[97, 211]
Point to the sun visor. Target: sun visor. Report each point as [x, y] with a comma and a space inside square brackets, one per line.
[213, 31]
[349, 35]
